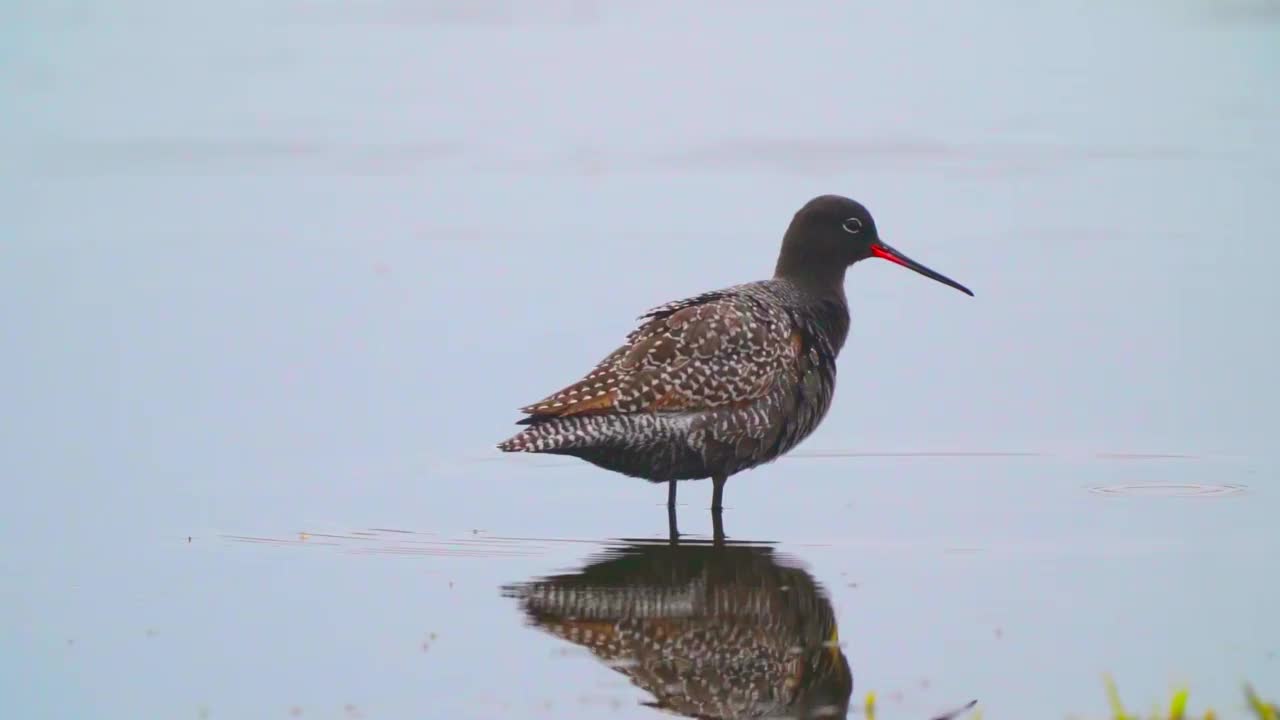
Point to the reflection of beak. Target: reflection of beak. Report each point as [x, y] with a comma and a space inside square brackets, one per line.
[881, 250]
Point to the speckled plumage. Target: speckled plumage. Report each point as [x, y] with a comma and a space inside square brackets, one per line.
[727, 380]
[714, 384]
[710, 631]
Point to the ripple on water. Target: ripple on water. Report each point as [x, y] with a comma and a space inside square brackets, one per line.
[411, 543]
[1167, 490]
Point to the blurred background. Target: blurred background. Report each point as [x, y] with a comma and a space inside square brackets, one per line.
[275, 276]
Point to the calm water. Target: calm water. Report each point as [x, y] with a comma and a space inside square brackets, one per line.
[275, 276]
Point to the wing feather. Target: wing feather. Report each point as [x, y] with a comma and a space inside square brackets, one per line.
[716, 349]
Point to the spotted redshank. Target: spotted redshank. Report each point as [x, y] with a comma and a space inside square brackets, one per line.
[715, 384]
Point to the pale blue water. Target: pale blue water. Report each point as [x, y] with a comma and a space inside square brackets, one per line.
[284, 271]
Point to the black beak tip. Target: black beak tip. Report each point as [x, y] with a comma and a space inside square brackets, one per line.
[881, 250]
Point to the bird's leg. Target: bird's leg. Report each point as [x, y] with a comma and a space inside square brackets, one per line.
[717, 495]
[717, 525]
[672, 530]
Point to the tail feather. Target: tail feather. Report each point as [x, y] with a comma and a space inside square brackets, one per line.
[522, 441]
[557, 434]
[546, 434]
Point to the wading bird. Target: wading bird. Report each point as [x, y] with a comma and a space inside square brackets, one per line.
[727, 380]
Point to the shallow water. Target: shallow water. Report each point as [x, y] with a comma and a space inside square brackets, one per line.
[276, 277]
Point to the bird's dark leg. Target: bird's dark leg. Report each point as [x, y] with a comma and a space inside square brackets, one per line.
[673, 532]
[671, 493]
[717, 495]
[717, 525]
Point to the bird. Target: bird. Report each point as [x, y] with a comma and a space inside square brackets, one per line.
[726, 380]
[724, 630]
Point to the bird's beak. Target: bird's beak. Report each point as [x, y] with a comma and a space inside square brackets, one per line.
[880, 250]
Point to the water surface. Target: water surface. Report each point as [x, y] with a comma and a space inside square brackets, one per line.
[275, 278]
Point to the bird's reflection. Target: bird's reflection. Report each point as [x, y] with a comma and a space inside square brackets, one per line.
[711, 630]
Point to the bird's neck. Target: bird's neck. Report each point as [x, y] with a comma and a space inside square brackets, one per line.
[829, 313]
[823, 279]
[806, 265]
[818, 284]
[821, 308]
[817, 281]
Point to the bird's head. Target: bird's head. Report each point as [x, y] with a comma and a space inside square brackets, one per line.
[830, 233]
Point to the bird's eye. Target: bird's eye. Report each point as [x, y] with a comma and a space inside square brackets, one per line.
[852, 226]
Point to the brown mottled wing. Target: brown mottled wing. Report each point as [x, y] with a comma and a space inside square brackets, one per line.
[717, 349]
